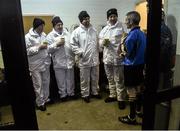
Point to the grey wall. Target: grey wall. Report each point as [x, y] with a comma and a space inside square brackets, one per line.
[68, 10]
[173, 20]
[174, 122]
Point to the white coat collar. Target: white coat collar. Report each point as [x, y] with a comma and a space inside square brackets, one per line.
[34, 33]
[112, 26]
[64, 32]
[83, 27]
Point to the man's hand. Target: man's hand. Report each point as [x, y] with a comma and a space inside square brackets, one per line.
[60, 42]
[43, 46]
[121, 51]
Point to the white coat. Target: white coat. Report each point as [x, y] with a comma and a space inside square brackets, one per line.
[37, 58]
[113, 33]
[84, 43]
[62, 56]
[63, 62]
[113, 63]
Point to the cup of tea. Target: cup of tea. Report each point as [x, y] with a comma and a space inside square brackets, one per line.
[45, 43]
[106, 42]
[62, 39]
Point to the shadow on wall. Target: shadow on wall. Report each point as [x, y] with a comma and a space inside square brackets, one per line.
[172, 24]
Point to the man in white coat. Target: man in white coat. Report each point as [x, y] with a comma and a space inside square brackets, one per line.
[109, 40]
[38, 59]
[63, 58]
[84, 44]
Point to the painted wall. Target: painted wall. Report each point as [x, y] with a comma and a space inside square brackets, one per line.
[142, 9]
[68, 10]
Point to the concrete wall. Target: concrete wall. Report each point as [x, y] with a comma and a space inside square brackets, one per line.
[68, 10]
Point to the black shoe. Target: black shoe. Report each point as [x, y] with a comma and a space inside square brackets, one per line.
[63, 99]
[74, 97]
[139, 114]
[49, 102]
[127, 120]
[121, 105]
[86, 99]
[42, 108]
[96, 96]
[110, 99]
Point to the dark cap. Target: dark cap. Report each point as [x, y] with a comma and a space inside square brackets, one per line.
[82, 15]
[56, 20]
[37, 22]
[112, 11]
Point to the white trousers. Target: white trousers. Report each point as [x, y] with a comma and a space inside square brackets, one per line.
[46, 83]
[116, 81]
[89, 76]
[37, 77]
[65, 81]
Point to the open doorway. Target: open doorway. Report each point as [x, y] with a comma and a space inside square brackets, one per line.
[65, 114]
[26, 117]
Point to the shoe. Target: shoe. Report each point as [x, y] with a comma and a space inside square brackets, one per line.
[42, 108]
[127, 120]
[110, 99]
[86, 99]
[121, 105]
[139, 114]
[63, 99]
[49, 102]
[74, 97]
[98, 96]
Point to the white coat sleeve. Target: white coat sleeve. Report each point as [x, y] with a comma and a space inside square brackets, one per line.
[101, 38]
[74, 42]
[31, 50]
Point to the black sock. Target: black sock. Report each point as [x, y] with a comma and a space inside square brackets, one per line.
[132, 109]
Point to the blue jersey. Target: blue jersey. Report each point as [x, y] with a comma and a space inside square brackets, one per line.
[135, 44]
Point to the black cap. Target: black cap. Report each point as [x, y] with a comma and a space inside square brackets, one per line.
[37, 22]
[112, 11]
[82, 15]
[56, 20]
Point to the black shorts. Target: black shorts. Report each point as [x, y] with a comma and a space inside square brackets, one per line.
[133, 75]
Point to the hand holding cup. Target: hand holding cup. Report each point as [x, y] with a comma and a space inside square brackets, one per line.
[106, 42]
[43, 45]
[61, 41]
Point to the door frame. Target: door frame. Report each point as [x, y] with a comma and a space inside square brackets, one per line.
[151, 95]
[19, 83]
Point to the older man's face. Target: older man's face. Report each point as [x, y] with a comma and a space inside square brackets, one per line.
[112, 19]
[127, 22]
